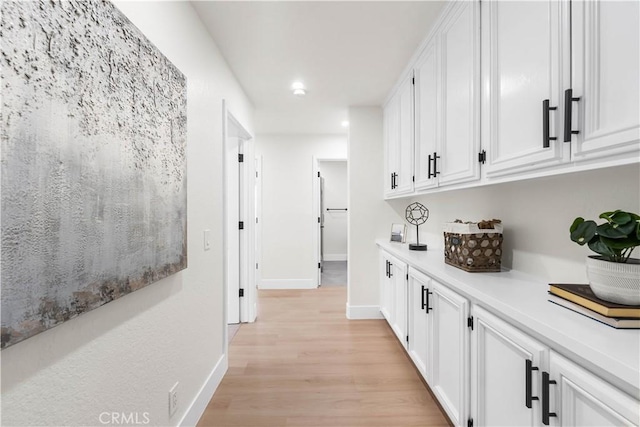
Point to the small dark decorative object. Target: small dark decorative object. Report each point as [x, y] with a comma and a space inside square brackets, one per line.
[417, 214]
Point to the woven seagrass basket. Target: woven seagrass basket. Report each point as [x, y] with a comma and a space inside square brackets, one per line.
[474, 247]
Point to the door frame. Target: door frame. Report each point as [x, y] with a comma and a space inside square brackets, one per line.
[233, 128]
[315, 205]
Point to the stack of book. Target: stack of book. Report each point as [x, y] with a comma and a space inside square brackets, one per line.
[582, 300]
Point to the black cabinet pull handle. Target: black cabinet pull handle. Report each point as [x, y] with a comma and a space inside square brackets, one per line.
[545, 398]
[423, 301]
[429, 174]
[436, 172]
[545, 124]
[568, 108]
[390, 273]
[426, 306]
[528, 370]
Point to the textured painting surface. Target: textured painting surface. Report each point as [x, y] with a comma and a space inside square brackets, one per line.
[93, 162]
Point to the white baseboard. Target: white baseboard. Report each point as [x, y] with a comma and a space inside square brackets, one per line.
[360, 312]
[199, 404]
[335, 257]
[287, 284]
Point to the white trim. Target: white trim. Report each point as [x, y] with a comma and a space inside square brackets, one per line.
[335, 257]
[360, 312]
[199, 404]
[287, 284]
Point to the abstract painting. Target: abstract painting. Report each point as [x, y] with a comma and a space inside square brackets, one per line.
[93, 186]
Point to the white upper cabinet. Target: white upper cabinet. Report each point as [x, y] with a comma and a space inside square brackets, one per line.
[606, 79]
[460, 79]
[524, 88]
[427, 115]
[447, 100]
[398, 128]
[522, 66]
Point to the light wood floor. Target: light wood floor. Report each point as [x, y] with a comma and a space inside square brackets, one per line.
[304, 364]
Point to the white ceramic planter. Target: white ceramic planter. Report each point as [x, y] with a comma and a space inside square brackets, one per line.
[614, 281]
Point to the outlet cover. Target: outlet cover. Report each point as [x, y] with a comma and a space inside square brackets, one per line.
[173, 400]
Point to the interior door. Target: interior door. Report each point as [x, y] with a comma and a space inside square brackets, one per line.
[233, 232]
[321, 224]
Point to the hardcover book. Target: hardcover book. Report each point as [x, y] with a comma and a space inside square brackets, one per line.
[618, 323]
[582, 295]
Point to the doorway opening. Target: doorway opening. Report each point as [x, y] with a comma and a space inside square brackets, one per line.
[239, 225]
[332, 213]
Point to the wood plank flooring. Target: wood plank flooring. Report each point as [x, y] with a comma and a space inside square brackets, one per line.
[304, 364]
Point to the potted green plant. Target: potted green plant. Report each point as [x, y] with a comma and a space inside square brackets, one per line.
[613, 275]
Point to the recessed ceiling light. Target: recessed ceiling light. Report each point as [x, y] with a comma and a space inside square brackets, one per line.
[298, 88]
[345, 124]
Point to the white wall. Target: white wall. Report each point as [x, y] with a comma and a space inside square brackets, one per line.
[335, 222]
[288, 219]
[370, 217]
[126, 355]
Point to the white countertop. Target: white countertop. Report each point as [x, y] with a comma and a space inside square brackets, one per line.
[522, 300]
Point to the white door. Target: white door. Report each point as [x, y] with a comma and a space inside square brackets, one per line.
[460, 82]
[447, 369]
[232, 198]
[417, 319]
[506, 369]
[258, 230]
[579, 398]
[521, 56]
[427, 114]
[606, 79]
[238, 218]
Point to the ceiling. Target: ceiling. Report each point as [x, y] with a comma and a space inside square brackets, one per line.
[347, 53]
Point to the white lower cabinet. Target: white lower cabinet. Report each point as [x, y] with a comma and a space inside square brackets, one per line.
[485, 371]
[506, 367]
[578, 398]
[438, 341]
[393, 294]
[518, 381]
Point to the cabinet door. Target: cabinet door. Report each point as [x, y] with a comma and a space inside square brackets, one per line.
[447, 371]
[386, 291]
[606, 78]
[460, 79]
[399, 284]
[404, 181]
[499, 371]
[391, 118]
[522, 68]
[582, 399]
[427, 110]
[417, 320]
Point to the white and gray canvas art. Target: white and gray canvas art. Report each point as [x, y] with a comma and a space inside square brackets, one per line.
[93, 162]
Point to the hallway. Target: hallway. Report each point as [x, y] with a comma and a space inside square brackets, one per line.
[304, 364]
